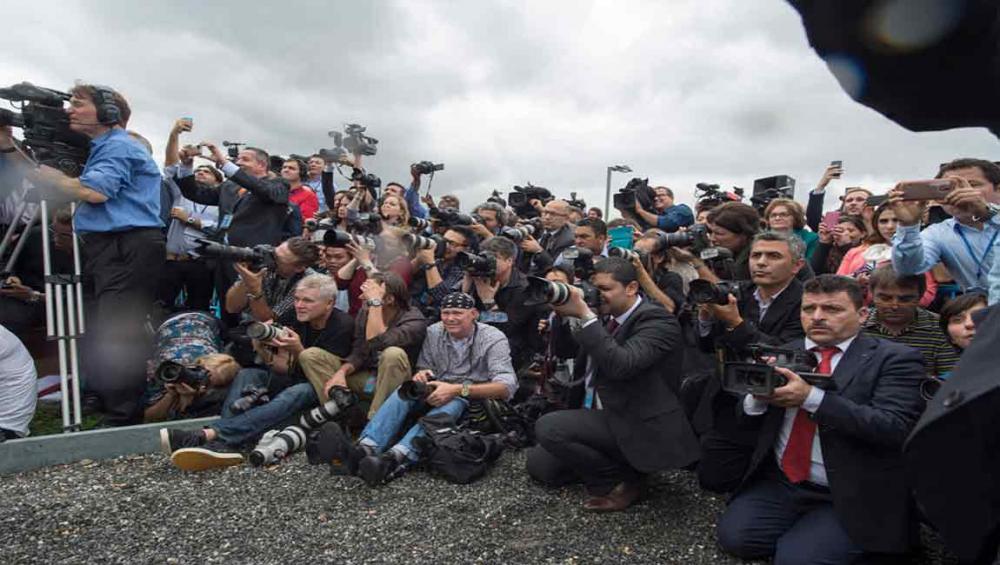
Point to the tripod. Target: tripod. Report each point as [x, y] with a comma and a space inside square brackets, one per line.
[63, 307]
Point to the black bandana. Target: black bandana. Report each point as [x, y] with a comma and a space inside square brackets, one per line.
[458, 300]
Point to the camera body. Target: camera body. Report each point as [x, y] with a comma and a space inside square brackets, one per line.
[576, 202]
[338, 238]
[448, 217]
[413, 390]
[258, 256]
[705, 292]
[483, 265]
[352, 140]
[582, 260]
[171, 372]
[635, 191]
[694, 238]
[757, 375]
[427, 167]
[47, 135]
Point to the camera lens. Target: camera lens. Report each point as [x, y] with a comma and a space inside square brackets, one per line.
[262, 332]
[413, 390]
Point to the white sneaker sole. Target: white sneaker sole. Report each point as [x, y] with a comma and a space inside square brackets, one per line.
[165, 441]
[200, 459]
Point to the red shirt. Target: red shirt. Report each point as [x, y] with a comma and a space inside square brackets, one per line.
[400, 266]
[305, 199]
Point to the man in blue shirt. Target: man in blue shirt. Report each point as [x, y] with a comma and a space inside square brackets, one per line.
[964, 242]
[665, 215]
[123, 244]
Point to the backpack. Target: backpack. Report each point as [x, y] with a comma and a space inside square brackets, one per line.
[459, 455]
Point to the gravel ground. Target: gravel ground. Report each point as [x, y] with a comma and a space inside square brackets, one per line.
[142, 510]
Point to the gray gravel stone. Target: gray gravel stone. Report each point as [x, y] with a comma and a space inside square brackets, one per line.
[142, 510]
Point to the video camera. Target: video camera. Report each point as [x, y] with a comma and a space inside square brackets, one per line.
[576, 202]
[768, 188]
[482, 265]
[497, 198]
[637, 190]
[47, 136]
[520, 199]
[711, 195]
[258, 256]
[171, 372]
[758, 377]
[543, 291]
[427, 167]
[353, 140]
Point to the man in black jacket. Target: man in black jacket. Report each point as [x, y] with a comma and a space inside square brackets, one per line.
[768, 313]
[826, 481]
[253, 206]
[632, 423]
[558, 235]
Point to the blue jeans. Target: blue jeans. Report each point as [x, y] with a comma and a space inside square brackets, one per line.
[391, 416]
[238, 429]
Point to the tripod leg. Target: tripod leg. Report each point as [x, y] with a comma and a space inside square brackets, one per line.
[74, 359]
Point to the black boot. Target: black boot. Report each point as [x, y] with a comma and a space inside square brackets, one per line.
[379, 469]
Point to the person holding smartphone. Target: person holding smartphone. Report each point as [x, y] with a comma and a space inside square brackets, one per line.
[965, 242]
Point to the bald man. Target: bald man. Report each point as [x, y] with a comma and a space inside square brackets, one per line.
[558, 235]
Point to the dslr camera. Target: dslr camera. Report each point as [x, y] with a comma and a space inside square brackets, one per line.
[427, 167]
[483, 265]
[757, 375]
[258, 256]
[264, 332]
[451, 217]
[171, 372]
[544, 291]
[694, 238]
[47, 136]
[337, 238]
[702, 291]
[582, 260]
[636, 190]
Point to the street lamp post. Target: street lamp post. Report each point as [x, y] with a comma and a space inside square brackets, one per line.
[607, 194]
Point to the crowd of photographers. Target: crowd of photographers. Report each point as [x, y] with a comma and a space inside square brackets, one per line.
[781, 353]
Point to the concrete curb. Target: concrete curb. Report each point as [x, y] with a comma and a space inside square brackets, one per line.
[31, 453]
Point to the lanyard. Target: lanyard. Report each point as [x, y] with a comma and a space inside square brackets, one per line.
[968, 246]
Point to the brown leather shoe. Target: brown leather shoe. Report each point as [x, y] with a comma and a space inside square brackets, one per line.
[620, 498]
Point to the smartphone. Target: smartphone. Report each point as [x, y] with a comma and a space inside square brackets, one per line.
[831, 219]
[840, 167]
[935, 189]
[621, 236]
[190, 122]
[877, 200]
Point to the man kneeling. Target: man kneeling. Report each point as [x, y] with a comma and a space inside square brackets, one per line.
[461, 360]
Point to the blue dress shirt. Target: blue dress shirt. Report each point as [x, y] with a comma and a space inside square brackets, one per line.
[122, 170]
[966, 251]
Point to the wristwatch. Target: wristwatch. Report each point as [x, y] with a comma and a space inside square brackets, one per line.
[190, 221]
[373, 302]
[465, 389]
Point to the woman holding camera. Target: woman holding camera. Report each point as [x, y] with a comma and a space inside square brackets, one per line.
[390, 254]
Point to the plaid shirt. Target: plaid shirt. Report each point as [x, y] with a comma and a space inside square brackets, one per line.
[485, 359]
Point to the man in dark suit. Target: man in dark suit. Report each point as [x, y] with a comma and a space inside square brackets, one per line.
[826, 481]
[632, 422]
[253, 207]
[768, 313]
[541, 254]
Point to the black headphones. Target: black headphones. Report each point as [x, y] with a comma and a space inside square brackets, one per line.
[108, 111]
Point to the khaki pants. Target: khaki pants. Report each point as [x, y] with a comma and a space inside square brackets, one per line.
[319, 365]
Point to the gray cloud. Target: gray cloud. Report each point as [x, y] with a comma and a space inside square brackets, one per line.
[502, 92]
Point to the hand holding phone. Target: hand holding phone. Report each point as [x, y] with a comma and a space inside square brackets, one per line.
[838, 169]
[935, 189]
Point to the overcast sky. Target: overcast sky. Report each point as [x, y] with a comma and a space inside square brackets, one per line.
[502, 92]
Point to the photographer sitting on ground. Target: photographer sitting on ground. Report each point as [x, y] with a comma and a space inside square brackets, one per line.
[265, 295]
[388, 333]
[316, 323]
[501, 298]
[666, 215]
[767, 312]
[181, 401]
[632, 423]
[461, 360]
[18, 387]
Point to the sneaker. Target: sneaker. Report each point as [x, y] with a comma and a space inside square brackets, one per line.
[172, 440]
[376, 469]
[355, 454]
[213, 455]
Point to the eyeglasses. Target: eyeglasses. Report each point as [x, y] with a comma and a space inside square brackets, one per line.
[779, 215]
[454, 243]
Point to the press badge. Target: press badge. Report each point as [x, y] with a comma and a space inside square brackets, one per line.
[226, 220]
[370, 385]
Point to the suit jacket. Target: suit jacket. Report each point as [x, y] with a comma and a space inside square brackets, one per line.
[552, 246]
[258, 215]
[862, 426]
[637, 376]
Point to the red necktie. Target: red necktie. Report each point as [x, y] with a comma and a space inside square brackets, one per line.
[612, 325]
[797, 458]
